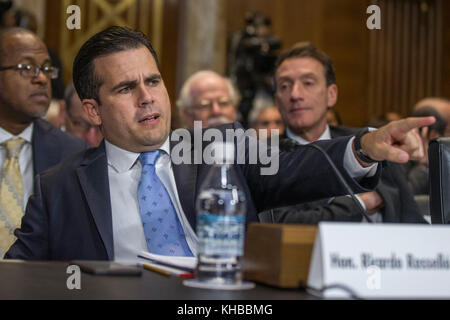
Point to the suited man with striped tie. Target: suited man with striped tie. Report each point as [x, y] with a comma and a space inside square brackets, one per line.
[28, 144]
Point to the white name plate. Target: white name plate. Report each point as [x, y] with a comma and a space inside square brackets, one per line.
[381, 261]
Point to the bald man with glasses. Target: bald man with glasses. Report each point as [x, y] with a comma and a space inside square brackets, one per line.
[28, 144]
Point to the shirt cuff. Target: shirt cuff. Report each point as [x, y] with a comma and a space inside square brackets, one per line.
[377, 217]
[353, 167]
[360, 201]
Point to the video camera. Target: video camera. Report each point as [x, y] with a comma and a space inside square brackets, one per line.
[253, 52]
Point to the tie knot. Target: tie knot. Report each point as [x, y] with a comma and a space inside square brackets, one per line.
[13, 147]
[149, 157]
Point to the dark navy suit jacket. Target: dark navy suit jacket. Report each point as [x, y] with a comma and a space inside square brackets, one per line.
[51, 145]
[69, 216]
[393, 188]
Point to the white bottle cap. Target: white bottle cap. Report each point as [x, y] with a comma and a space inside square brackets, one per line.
[223, 152]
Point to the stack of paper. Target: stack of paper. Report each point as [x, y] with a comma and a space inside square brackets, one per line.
[180, 266]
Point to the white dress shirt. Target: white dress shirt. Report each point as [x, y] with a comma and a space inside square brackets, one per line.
[25, 159]
[351, 164]
[124, 172]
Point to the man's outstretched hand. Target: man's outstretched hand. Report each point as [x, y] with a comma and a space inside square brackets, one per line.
[399, 141]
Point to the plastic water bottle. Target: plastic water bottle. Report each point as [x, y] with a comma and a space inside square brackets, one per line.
[221, 208]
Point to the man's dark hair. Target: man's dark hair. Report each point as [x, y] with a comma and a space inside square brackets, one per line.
[307, 50]
[429, 111]
[106, 42]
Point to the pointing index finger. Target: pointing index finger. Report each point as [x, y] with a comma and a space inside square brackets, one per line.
[408, 124]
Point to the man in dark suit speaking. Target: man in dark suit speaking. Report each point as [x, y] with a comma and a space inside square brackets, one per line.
[28, 144]
[97, 204]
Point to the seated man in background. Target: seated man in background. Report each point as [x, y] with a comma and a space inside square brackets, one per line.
[56, 113]
[333, 118]
[305, 90]
[28, 144]
[57, 109]
[208, 97]
[77, 121]
[266, 117]
[418, 170]
[441, 105]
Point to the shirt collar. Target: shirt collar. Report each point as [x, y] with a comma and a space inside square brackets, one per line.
[25, 134]
[123, 160]
[326, 135]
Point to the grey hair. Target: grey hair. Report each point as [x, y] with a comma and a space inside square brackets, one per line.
[185, 100]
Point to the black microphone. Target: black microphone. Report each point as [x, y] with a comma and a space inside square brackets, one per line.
[341, 180]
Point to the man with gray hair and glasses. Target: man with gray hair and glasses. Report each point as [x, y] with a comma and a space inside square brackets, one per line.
[28, 144]
[208, 97]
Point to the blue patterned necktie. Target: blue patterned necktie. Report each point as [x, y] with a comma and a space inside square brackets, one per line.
[163, 231]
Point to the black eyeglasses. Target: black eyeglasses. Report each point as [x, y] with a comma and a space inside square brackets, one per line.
[32, 71]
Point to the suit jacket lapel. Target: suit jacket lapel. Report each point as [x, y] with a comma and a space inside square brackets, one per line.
[186, 181]
[93, 177]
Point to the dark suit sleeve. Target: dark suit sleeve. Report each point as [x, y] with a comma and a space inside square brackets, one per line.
[399, 207]
[341, 208]
[304, 175]
[32, 237]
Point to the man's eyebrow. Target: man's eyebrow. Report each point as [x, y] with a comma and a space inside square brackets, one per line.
[309, 75]
[32, 59]
[285, 78]
[132, 83]
[125, 83]
[152, 77]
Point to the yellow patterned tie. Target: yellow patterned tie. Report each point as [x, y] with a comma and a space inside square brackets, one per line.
[11, 194]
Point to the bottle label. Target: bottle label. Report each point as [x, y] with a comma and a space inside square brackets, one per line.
[220, 235]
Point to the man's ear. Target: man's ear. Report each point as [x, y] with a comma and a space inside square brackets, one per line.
[91, 108]
[332, 92]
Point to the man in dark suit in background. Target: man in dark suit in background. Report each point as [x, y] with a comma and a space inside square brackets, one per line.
[441, 105]
[99, 204]
[28, 144]
[305, 90]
